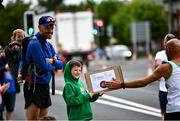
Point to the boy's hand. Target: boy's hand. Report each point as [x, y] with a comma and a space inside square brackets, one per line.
[91, 94]
[101, 93]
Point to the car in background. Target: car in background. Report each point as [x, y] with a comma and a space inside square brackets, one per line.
[118, 52]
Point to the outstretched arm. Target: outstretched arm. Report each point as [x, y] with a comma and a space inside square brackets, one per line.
[161, 71]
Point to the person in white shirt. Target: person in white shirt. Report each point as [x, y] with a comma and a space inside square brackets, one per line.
[161, 58]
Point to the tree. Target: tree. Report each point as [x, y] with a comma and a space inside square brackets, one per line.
[140, 10]
[50, 4]
[11, 18]
[105, 11]
[1, 5]
[121, 21]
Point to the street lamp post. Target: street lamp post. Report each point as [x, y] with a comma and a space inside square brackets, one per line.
[1, 5]
[96, 18]
[170, 16]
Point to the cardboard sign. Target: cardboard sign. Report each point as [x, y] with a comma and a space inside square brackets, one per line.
[95, 80]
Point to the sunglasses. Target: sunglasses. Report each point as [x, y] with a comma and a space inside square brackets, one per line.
[50, 20]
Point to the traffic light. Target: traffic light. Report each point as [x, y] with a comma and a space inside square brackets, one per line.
[99, 25]
[95, 31]
[29, 22]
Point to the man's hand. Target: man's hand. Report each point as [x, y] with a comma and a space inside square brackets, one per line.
[55, 57]
[50, 60]
[4, 87]
[115, 84]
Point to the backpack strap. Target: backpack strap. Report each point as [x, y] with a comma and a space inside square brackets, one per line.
[31, 68]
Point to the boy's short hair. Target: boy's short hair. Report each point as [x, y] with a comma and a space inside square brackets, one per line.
[75, 63]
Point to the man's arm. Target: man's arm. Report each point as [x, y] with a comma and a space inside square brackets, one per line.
[161, 71]
[34, 50]
[55, 60]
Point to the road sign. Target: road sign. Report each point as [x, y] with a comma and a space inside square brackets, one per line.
[140, 32]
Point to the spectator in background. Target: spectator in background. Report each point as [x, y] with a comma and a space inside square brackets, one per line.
[12, 52]
[12, 55]
[9, 97]
[161, 58]
[4, 87]
[2, 63]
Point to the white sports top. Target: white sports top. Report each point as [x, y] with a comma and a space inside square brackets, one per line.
[162, 56]
[173, 85]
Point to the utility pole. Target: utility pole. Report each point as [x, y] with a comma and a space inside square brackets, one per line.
[170, 16]
[95, 19]
[1, 5]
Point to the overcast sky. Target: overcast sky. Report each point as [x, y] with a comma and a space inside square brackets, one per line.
[35, 1]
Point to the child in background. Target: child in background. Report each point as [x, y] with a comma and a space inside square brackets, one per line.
[75, 95]
[18, 36]
[9, 97]
[3, 89]
[13, 55]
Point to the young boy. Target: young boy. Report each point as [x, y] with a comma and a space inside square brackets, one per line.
[75, 95]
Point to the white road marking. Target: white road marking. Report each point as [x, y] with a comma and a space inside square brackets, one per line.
[122, 106]
[130, 103]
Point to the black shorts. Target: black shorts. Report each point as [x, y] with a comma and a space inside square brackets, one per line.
[38, 94]
[172, 116]
[163, 99]
[9, 101]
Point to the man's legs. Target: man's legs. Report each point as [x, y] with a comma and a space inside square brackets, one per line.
[36, 103]
[43, 112]
[32, 112]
